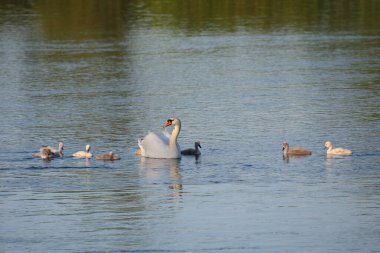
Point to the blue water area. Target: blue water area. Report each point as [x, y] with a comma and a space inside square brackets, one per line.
[243, 77]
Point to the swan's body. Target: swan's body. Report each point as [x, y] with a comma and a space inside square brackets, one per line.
[162, 146]
[336, 151]
[57, 152]
[294, 151]
[108, 157]
[83, 154]
[192, 151]
[45, 153]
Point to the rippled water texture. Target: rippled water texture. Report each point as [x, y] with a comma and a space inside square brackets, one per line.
[243, 76]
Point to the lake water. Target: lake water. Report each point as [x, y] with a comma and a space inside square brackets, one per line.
[243, 76]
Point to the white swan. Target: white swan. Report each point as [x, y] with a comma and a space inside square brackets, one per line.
[336, 151]
[192, 151]
[83, 154]
[162, 146]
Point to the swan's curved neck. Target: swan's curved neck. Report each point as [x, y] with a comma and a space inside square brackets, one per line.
[174, 135]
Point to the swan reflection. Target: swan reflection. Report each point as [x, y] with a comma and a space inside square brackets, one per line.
[332, 159]
[286, 158]
[161, 171]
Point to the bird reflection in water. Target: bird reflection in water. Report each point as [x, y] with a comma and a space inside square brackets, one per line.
[162, 171]
[286, 158]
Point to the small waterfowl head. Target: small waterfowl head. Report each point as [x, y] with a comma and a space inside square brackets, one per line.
[198, 144]
[285, 145]
[88, 147]
[328, 144]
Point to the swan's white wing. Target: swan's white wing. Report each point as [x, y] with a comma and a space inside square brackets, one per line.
[153, 138]
[154, 145]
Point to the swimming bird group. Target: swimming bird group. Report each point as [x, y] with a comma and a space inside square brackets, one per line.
[48, 153]
[166, 146]
[299, 151]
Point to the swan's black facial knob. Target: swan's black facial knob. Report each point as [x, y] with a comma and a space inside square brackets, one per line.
[169, 122]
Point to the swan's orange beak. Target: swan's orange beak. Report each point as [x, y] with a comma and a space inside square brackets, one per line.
[168, 123]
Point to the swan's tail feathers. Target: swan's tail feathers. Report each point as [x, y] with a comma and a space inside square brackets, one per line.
[139, 142]
[142, 150]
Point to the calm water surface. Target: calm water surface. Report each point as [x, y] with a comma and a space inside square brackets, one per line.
[243, 76]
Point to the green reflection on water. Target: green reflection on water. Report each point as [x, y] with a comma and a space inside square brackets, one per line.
[97, 19]
[82, 20]
[264, 15]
